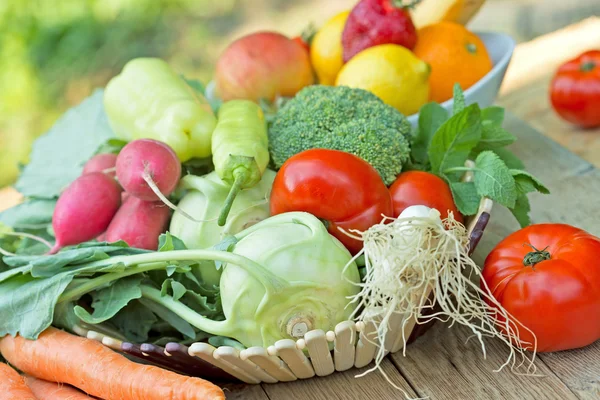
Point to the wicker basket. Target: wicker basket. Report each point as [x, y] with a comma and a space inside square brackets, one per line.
[286, 359]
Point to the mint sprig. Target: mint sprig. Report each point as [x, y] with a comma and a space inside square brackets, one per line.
[443, 143]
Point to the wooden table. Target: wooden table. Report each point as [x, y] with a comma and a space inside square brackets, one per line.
[440, 364]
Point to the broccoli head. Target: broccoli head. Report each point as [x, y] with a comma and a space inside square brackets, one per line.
[341, 118]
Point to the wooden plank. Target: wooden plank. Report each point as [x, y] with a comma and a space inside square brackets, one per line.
[239, 391]
[442, 366]
[343, 386]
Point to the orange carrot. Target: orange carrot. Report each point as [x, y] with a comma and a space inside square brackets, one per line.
[45, 390]
[12, 385]
[58, 356]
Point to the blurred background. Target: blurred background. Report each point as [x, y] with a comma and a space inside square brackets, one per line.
[54, 53]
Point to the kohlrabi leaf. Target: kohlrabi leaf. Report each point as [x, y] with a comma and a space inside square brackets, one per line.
[27, 304]
[107, 302]
[465, 197]
[134, 321]
[168, 242]
[177, 289]
[494, 180]
[218, 341]
[181, 325]
[431, 117]
[58, 156]
[32, 213]
[454, 140]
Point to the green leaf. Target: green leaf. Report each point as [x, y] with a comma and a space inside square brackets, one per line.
[134, 321]
[113, 146]
[32, 213]
[493, 137]
[494, 180]
[465, 197]
[195, 84]
[459, 99]
[227, 244]
[218, 341]
[528, 183]
[176, 287]
[431, 117]
[58, 156]
[109, 301]
[168, 242]
[493, 114]
[27, 304]
[181, 325]
[454, 140]
[509, 159]
[202, 305]
[521, 210]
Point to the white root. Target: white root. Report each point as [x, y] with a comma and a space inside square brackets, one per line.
[409, 258]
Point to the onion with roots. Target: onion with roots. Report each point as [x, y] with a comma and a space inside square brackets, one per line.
[416, 256]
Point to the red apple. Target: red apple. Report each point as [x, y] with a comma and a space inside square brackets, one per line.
[263, 65]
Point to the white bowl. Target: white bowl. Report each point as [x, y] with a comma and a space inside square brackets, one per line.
[500, 46]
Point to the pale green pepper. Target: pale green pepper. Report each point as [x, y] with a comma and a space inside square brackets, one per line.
[240, 148]
[150, 100]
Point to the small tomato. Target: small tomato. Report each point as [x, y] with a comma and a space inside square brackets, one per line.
[337, 187]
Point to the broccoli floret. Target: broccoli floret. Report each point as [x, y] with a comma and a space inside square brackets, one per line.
[342, 118]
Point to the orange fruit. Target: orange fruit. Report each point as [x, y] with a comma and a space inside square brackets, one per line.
[455, 55]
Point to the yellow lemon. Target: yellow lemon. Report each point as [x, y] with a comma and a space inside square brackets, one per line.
[326, 49]
[391, 72]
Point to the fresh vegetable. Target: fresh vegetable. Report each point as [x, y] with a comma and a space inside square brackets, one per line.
[12, 385]
[423, 188]
[419, 260]
[428, 12]
[455, 55]
[375, 22]
[104, 162]
[341, 118]
[547, 277]
[326, 49]
[575, 90]
[59, 356]
[240, 148]
[44, 390]
[472, 140]
[337, 187]
[391, 72]
[262, 65]
[138, 223]
[84, 210]
[146, 166]
[150, 100]
[203, 200]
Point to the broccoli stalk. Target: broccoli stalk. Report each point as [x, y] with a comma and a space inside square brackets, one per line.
[341, 118]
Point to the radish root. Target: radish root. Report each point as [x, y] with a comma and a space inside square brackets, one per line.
[409, 258]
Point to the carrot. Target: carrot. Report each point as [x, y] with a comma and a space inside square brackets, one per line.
[99, 371]
[45, 390]
[12, 385]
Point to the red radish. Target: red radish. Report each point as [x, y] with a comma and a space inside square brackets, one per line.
[145, 167]
[84, 210]
[139, 223]
[101, 163]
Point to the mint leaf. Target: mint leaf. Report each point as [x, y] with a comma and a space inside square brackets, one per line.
[494, 180]
[431, 117]
[58, 156]
[528, 183]
[459, 99]
[454, 140]
[465, 197]
[493, 114]
[493, 136]
[109, 301]
[521, 210]
[509, 159]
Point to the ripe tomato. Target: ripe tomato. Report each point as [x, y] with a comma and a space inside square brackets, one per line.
[413, 188]
[337, 187]
[575, 90]
[555, 292]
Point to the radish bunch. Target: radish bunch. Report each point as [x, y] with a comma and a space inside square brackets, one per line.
[95, 204]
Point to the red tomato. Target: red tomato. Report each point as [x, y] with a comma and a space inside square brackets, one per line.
[413, 188]
[575, 90]
[555, 292]
[338, 187]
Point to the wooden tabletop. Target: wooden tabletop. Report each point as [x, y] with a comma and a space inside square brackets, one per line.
[441, 364]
